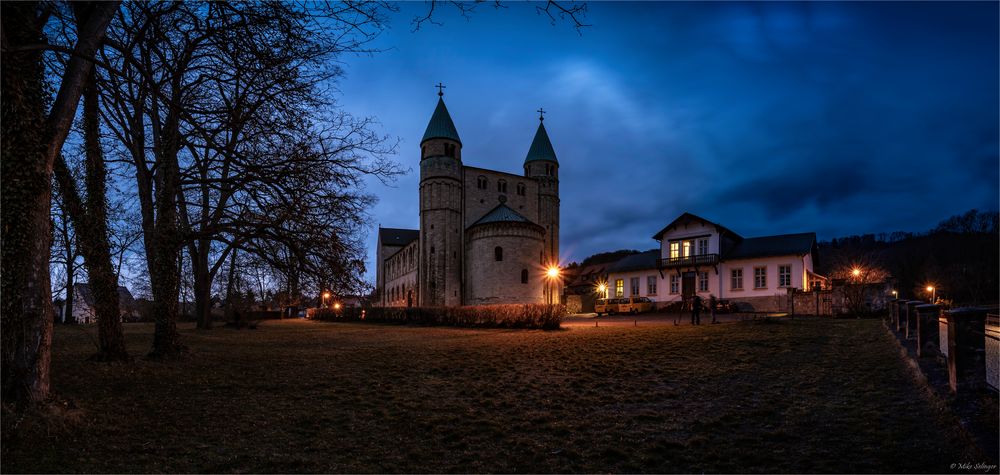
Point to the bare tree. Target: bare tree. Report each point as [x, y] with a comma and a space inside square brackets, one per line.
[32, 140]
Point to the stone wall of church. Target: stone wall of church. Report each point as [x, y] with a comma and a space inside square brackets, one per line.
[480, 200]
[441, 227]
[400, 270]
[492, 281]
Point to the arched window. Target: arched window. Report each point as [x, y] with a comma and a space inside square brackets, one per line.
[524, 276]
[432, 249]
[520, 189]
[498, 253]
[449, 150]
[502, 186]
[481, 183]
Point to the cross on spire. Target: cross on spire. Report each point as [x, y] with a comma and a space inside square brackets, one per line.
[541, 114]
[440, 87]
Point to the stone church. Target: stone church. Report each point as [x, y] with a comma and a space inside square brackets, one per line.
[485, 236]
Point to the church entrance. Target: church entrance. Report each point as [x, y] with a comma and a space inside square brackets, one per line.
[687, 286]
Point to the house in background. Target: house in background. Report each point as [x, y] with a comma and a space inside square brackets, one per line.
[83, 305]
[699, 257]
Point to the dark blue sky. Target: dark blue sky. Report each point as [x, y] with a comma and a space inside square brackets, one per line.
[838, 118]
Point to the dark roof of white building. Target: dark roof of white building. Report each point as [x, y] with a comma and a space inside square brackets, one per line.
[687, 218]
[640, 261]
[768, 246]
[82, 292]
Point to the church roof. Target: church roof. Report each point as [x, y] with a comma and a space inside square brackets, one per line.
[441, 126]
[541, 147]
[502, 214]
[397, 237]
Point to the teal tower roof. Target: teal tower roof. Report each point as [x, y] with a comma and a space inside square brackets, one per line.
[441, 126]
[541, 148]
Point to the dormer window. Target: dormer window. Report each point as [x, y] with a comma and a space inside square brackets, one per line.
[481, 183]
[502, 186]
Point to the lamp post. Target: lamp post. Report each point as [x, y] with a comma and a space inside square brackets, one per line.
[552, 273]
[933, 291]
[326, 295]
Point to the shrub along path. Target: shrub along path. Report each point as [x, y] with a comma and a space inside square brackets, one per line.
[803, 395]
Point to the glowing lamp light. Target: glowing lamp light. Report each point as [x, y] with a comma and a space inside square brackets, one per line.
[326, 295]
[336, 306]
[553, 272]
[601, 288]
[856, 272]
[930, 288]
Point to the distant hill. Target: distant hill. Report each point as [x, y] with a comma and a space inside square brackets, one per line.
[607, 257]
[960, 257]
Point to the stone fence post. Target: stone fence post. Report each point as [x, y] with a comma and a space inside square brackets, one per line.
[966, 348]
[927, 330]
[910, 325]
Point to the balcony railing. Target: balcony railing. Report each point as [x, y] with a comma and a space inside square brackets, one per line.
[688, 261]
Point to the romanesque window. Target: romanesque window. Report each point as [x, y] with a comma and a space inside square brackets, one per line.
[524, 276]
[432, 249]
[481, 183]
[736, 279]
[521, 189]
[784, 276]
[498, 253]
[502, 186]
[449, 150]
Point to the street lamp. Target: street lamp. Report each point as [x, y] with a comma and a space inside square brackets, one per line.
[552, 273]
[856, 272]
[933, 291]
[602, 290]
[895, 294]
[326, 295]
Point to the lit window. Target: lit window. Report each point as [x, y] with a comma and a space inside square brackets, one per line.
[498, 253]
[651, 285]
[675, 284]
[687, 248]
[760, 277]
[634, 286]
[702, 247]
[736, 279]
[675, 250]
[784, 276]
[619, 287]
[703, 282]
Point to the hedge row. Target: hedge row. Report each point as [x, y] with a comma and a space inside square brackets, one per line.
[546, 317]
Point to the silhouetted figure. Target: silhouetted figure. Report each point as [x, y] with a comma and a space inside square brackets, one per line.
[713, 305]
[696, 310]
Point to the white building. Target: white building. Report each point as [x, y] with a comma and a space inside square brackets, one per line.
[697, 256]
[83, 305]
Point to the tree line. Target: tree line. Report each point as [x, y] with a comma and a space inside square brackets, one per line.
[960, 257]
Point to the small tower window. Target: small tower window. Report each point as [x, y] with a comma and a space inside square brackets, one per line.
[524, 276]
[481, 183]
[449, 150]
[521, 189]
[502, 186]
[498, 253]
[432, 249]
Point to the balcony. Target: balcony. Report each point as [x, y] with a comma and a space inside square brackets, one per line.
[689, 261]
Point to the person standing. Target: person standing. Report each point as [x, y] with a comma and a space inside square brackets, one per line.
[696, 310]
[713, 305]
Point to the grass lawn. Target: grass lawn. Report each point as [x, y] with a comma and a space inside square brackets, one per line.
[802, 395]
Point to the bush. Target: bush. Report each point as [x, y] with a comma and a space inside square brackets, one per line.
[546, 317]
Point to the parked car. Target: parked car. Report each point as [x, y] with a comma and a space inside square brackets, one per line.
[635, 305]
[606, 306]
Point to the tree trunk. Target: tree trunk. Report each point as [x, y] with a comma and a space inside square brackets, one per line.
[92, 231]
[26, 313]
[202, 284]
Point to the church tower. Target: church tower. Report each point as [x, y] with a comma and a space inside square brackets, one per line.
[441, 221]
[542, 166]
